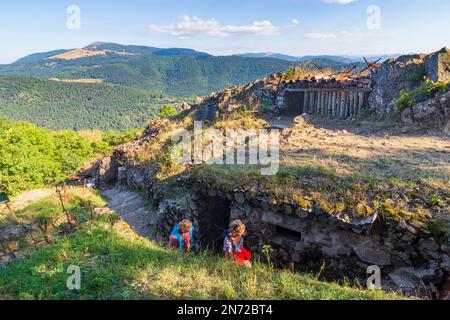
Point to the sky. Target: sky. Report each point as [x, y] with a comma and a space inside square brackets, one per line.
[224, 27]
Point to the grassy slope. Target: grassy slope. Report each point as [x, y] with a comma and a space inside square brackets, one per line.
[117, 264]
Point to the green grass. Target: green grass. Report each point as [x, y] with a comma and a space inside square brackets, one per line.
[115, 266]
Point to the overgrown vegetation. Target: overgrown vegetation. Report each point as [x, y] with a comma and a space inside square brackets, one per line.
[31, 157]
[167, 111]
[321, 188]
[417, 75]
[116, 264]
[305, 70]
[408, 98]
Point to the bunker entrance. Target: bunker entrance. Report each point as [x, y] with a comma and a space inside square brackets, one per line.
[295, 103]
[213, 223]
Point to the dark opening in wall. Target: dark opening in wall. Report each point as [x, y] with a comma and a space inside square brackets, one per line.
[214, 220]
[295, 103]
[280, 231]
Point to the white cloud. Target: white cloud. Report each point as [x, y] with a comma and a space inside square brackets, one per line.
[189, 27]
[339, 1]
[294, 23]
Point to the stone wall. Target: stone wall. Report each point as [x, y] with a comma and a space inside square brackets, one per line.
[409, 257]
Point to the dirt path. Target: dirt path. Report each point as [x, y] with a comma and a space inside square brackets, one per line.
[133, 209]
[24, 199]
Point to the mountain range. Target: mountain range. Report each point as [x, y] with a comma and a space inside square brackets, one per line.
[175, 71]
[112, 86]
[339, 59]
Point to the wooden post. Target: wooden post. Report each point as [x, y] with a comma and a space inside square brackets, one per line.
[12, 213]
[342, 107]
[68, 216]
[333, 105]
[361, 101]
[338, 102]
[306, 102]
[347, 105]
[311, 102]
[330, 100]
[316, 102]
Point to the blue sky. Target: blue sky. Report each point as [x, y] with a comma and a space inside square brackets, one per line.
[296, 27]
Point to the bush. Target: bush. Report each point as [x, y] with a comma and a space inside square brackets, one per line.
[167, 111]
[408, 98]
[417, 75]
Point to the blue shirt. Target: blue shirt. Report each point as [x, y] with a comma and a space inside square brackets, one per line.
[177, 234]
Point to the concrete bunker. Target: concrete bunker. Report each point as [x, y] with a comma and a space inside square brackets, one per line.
[213, 220]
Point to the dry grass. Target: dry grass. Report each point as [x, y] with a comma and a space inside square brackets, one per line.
[406, 158]
[84, 53]
[117, 264]
[84, 81]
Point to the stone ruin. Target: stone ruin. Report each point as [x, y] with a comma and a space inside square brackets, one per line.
[344, 95]
[409, 256]
[305, 239]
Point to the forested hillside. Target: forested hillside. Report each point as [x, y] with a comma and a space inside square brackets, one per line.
[182, 76]
[170, 75]
[175, 71]
[59, 105]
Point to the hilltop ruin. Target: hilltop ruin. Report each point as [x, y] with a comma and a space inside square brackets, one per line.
[343, 200]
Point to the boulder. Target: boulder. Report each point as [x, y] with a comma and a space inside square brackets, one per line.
[390, 78]
[302, 120]
[14, 232]
[372, 253]
[405, 279]
[437, 65]
[107, 171]
[433, 112]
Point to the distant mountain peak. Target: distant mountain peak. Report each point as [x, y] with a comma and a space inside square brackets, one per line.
[96, 44]
[85, 53]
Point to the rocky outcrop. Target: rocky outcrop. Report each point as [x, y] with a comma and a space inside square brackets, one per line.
[252, 95]
[434, 112]
[106, 171]
[437, 65]
[405, 73]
